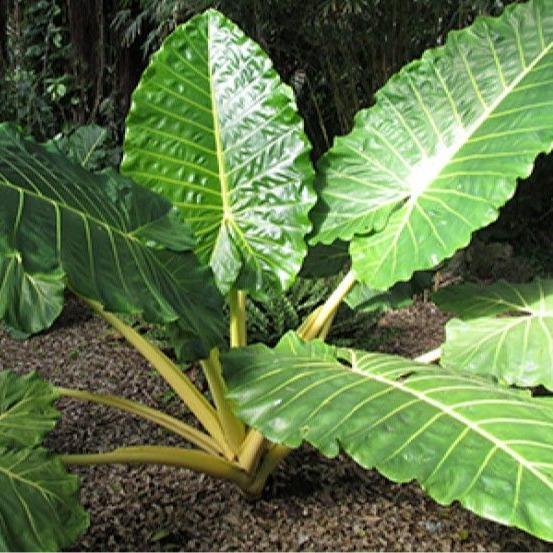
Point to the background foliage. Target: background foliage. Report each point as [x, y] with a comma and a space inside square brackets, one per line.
[68, 63]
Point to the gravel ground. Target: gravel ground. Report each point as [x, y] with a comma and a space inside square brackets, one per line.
[312, 503]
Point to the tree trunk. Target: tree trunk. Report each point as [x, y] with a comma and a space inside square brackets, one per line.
[3, 34]
[87, 31]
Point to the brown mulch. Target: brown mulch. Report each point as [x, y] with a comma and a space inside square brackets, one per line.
[312, 503]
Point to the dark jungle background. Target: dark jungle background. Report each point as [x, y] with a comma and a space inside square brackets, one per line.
[69, 63]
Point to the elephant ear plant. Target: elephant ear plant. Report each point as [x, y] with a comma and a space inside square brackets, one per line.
[217, 200]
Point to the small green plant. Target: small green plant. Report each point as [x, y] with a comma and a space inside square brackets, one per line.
[217, 201]
[37, 87]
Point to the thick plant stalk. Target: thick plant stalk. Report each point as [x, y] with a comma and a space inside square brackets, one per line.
[253, 446]
[198, 438]
[430, 356]
[308, 321]
[173, 375]
[325, 330]
[312, 329]
[192, 459]
[238, 335]
[317, 325]
[252, 449]
[233, 428]
[270, 462]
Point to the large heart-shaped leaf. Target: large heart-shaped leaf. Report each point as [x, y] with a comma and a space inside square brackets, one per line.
[109, 239]
[517, 348]
[443, 147]
[214, 129]
[461, 436]
[39, 508]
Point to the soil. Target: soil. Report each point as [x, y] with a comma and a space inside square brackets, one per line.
[311, 503]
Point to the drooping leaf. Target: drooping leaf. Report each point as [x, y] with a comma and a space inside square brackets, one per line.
[26, 411]
[461, 436]
[214, 129]
[442, 149]
[39, 507]
[108, 239]
[517, 348]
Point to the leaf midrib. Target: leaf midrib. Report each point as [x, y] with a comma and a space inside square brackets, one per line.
[468, 133]
[110, 230]
[398, 385]
[221, 164]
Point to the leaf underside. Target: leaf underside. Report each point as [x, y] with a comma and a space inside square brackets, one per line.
[364, 299]
[442, 149]
[108, 239]
[325, 260]
[214, 129]
[39, 507]
[517, 348]
[461, 436]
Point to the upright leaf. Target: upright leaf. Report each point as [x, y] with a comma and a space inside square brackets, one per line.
[461, 436]
[108, 239]
[505, 330]
[442, 149]
[214, 129]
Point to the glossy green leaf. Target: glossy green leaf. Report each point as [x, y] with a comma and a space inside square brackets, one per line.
[39, 507]
[506, 331]
[26, 411]
[214, 129]
[442, 149]
[461, 436]
[108, 239]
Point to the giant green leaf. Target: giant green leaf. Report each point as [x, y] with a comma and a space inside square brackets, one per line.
[39, 507]
[506, 330]
[26, 411]
[213, 128]
[442, 149]
[108, 239]
[461, 436]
